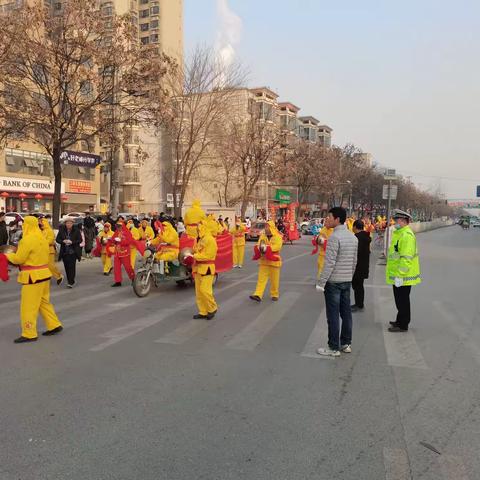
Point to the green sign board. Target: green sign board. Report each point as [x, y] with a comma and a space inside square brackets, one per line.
[283, 196]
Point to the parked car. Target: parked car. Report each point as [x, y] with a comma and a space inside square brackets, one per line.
[72, 216]
[475, 222]
[255, 230]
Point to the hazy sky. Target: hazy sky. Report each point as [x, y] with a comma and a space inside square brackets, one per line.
[399, 79]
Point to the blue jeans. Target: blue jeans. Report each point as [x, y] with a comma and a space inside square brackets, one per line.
[337, 303]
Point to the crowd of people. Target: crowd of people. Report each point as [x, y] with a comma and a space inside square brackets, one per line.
[342, 244]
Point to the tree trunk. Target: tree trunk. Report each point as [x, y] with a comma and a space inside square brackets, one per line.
[243, 209]
[57, 195]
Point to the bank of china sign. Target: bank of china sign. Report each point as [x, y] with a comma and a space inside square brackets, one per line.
[27, 185]
[80, 159]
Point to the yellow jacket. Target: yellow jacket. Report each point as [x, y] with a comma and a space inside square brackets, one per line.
[105, 235]
[33, 254]
[193, 217]
[239, 234]
[212, 224]
[48, 235]
[146, 233]
[133, 230]
[205, 252]
[325, 233]
[168, 235]
[275, 242]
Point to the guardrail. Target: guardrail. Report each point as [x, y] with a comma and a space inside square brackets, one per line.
[419, 227]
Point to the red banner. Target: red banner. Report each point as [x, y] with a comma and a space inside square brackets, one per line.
[224, 260]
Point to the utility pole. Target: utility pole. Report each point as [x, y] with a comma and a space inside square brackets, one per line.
[266, 192]
[389, 206]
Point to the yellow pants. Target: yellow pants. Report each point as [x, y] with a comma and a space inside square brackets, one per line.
[238, 254]
[265, 273]
[204, 294]
[107, 263]
[52, 266]
[320, 264]
[36, 299]
[133, 257]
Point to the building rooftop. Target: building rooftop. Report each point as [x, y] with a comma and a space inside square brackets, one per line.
[309, 119]
[290, 106]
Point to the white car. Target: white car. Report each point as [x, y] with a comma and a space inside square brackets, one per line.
[12, 216]
[72, 216]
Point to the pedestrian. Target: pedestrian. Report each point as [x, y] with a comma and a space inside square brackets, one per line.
[69, 238]
[89, 230]
[34, 276]
[238, 231]
[49, 236]
[103, 237]
[336, 282]
[363, 264]
[204, 254]
[322, 240]
[180, 226]
[145, 231]
[268, 252]
[3, 230]
[403, 268]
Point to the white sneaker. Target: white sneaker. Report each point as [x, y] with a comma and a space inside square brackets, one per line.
[328, 352]
[346, 348]
[239, 266]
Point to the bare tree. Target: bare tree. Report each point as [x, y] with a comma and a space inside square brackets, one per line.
[200, 94]
[74, 75]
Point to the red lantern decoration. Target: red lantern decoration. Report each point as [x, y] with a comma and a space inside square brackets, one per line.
[38, 196]
[4, 194]
[22, 195]
[129, 205]
[63, 198]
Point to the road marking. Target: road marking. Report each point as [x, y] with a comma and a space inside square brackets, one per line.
[452, 467]
[318, 338]
[402, 350]
[132, 328]
[253, 334]
[312, 283]
[396, 463]
[193, 327]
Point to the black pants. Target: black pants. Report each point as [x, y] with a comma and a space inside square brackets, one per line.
[70, 264]
[402, 302]
[359, 291]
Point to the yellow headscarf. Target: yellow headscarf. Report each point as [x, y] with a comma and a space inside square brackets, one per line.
[31, 228]
[273, 228]
[45, 224]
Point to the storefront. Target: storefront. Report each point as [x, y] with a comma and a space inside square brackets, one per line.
[26, 195]
[79, 197]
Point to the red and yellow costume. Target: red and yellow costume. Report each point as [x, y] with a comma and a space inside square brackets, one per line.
[136, 236]
[193, 216]
[32, 257]
[50, 238]
[212, 224]
[238, 232]
[102, 246]
[204, 254]
[325, 235]
[123, 244]
[270, 262]
[167, 243]
[146, 231]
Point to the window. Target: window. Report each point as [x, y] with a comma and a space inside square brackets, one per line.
[144, 27]
[154, 24]
[155, 10]
[144, 13]
[82, 170]
[154, 38]
[143, 2]
[145, 40]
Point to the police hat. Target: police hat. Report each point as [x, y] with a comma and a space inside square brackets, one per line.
[401, 214]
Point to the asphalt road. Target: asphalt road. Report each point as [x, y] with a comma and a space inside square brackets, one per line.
[136, 389]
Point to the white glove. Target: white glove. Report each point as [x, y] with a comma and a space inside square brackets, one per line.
[398, 282]
[118, 240]
[319, 288]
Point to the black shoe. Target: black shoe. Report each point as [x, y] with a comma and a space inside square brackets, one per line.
[256, 298]
[394, 324]
[49, 333]
[60, 280]
[117, 284]
[24, 340]
[396, 329]
[211, 315]
[198, 316]
[274, 299]
[356, 308]
[106, 273]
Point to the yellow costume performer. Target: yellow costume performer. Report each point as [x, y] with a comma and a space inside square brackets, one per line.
[238, 232]
[205, 253]
[50, 238]
[193, 216]
[271, 239]
[136, 236]
[168, 245]
[104, 236]
[324, 233]
[146, 231]
[212, 224]
[32, 257]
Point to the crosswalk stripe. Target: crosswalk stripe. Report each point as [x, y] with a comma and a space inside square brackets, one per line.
[252, 335]
[192, 328]
[402, 350]
[396, 464]
[318, 338]
[132, 328]
[452, 468]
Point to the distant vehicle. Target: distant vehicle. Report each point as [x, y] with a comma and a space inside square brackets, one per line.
[72, 216]
[313, 227]
[475, 223]
[12, 217]
[255, 230]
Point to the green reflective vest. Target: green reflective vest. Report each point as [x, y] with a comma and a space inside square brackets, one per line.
[402, 259]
